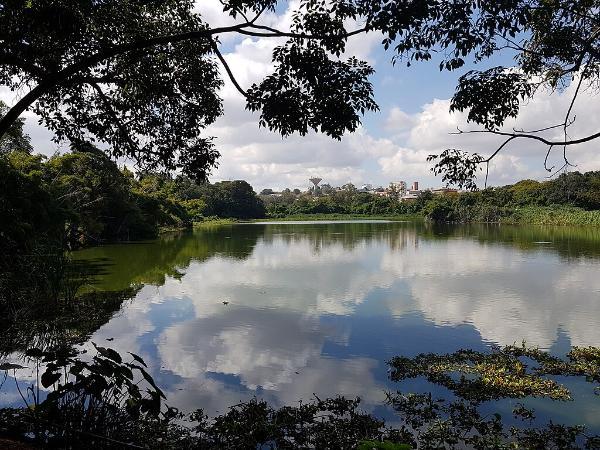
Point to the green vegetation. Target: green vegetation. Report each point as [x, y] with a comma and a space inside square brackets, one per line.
[81, 199]
[571, 199]
[343, 203]
[108, 401]
[552, 215]
[208, 222]
[476, 378]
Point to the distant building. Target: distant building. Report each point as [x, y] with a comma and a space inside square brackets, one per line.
[444, 191]
[396, 189]
[315, 189]
[411, 194]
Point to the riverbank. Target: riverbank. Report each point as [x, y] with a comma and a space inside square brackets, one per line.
[558, 215]
[460, 210]
[215, 221]
[325, 217]
[553, 215]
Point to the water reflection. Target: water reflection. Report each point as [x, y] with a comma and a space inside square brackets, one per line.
[319, 308]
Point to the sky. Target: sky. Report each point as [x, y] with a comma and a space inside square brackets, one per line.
[391, 145]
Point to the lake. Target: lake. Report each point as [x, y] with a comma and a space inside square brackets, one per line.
[284, 311]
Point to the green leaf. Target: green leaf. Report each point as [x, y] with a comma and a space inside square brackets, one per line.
[150, 380]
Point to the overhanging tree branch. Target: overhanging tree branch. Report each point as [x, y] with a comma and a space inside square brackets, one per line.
[53, 80]
[541, 139]
[215, 48]
[115, 118]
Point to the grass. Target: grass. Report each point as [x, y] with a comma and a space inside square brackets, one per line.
[215, 221]
[525, 215]
[553, 215]
[165, 230]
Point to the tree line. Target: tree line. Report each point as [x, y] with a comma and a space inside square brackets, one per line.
[83, 198]
[343, 201]
[573, 191]
[571, 198]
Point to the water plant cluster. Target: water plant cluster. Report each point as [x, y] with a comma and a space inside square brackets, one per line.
[106, 400]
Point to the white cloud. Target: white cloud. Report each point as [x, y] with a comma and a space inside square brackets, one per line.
[398, 120]
[434, 129]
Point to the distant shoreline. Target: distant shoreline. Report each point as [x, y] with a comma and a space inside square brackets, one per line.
[559, 215]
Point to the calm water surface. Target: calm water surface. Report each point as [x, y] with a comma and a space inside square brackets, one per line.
[317, 308]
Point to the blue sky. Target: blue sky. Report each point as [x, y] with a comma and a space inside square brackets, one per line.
[392, 144]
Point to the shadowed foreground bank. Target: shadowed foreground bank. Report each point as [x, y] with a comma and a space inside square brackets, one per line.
[106, 401]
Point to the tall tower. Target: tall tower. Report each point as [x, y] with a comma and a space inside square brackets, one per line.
[315, 181]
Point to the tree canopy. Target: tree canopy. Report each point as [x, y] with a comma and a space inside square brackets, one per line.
[14, 138]
[143, 75]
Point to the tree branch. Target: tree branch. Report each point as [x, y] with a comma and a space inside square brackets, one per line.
[566, 121]
[591, 137]
[134, 147]
[260, 13]
[215, 48]
[493, 155]
[53, 80]
[274, 32]
[57, 78]
[7, 59]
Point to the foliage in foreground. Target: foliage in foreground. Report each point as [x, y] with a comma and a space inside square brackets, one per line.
[107, 401]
